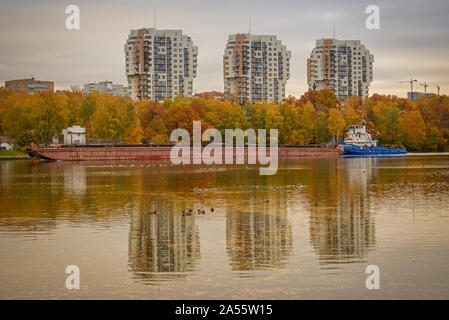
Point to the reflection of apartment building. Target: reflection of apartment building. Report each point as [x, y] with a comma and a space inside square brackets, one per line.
[163, 246]
[343, 66]
[342, 228]
[255, 68]
[30, 85]
[257, 240]
[160, 64]
[104, 87]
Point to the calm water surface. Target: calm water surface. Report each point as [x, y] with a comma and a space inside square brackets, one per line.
[325, 221]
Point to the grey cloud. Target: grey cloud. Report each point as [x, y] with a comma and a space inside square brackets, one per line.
[413, 38]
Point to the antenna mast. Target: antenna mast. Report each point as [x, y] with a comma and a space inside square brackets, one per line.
[154, 18]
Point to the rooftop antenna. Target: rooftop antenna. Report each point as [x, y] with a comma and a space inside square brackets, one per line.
[249, 24]
[334, 32]
[154, 18]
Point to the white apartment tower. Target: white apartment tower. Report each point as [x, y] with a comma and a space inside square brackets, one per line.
[255, 68]
[159, 64]
[344, 66]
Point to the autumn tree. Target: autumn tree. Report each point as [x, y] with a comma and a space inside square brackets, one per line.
[306, 124]
[321, 131]
[225, 115]
[156, 131]
[336, 123]
[387, 123]
[49, 116]
[87, 110]
[290, 123]
[134, 134]
[413, 128]
[322, 100]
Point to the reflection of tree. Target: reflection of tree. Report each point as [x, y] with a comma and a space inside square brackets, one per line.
[258, 240]
[341, 226]
[163, 246]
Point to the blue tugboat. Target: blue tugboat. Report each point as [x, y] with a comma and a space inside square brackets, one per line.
[358, 142]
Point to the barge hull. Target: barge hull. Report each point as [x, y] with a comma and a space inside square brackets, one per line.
[161, 153]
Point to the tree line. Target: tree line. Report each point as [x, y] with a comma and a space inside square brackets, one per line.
[313, 118]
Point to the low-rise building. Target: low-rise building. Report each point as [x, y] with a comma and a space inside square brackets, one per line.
[30, 85]
[73, 135]
[104, 87]
[6, 143]
[415, 95]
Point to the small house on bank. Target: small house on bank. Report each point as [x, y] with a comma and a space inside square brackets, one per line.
[6, 143]
[73, 135]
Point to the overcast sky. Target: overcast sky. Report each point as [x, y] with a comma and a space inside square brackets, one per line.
[413, 39]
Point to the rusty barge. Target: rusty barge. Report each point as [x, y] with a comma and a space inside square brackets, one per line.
[156, 152]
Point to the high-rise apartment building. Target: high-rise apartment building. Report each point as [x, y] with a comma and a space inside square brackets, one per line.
[104, 87]
[160, 64]
[256, 68]
[344, 66]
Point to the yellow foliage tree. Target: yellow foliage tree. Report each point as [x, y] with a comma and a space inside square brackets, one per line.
[413, 128]
[134, 135]
[336, 123]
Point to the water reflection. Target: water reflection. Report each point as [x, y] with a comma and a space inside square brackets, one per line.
[332, 211]
[75, 179]
[163, 246]
[342, 229]
[257, 240]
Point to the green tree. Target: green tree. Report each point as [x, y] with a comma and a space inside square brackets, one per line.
[321, 132]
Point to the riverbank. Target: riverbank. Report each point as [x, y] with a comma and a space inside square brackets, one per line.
[13, 155]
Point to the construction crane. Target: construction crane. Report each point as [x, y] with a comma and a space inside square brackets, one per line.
[411, 84]
[425, 85]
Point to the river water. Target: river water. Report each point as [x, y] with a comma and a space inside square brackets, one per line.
[309, 231]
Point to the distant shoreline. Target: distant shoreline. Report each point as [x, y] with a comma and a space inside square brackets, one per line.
[15, 158]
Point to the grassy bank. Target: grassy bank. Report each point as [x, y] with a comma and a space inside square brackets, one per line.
[12, 153]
